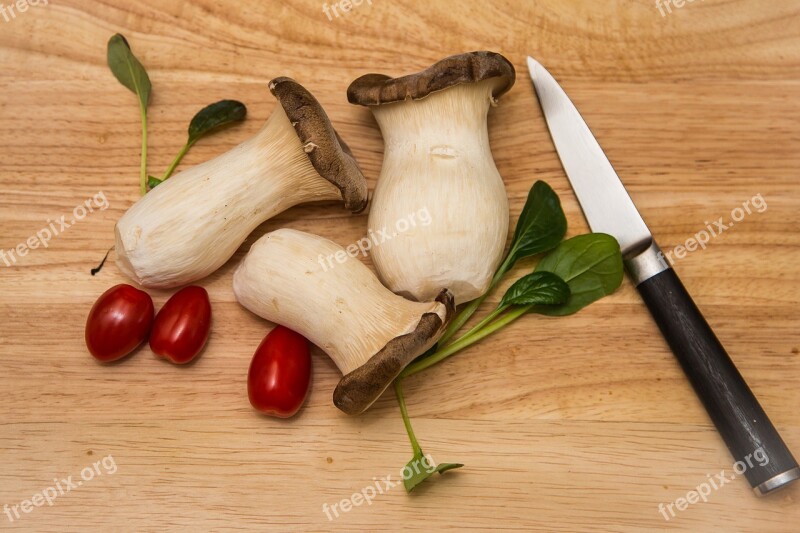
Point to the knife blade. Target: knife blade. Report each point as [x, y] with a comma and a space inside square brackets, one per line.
[731, 405]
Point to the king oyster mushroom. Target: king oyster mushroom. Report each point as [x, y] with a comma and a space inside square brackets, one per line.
[368, 331]
[190, 225]
[437, 157]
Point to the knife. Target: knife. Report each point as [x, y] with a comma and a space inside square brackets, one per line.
[735, 411]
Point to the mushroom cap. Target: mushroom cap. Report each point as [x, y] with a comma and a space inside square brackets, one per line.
[471, 67]
[360, 388]
[326, 150]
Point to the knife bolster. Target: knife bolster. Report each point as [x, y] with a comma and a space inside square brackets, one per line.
[647, 264]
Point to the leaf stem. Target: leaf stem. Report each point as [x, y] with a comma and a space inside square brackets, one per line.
[177, 160]
[489, 318]
[466, 313]
[398, 390]
[463, 342]
[143, 166]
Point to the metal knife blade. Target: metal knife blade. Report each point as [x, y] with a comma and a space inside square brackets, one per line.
[603, 198]
[731, 405]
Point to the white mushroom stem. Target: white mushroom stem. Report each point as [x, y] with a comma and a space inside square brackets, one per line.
[437, 157]
[190, 225]
[343, 308]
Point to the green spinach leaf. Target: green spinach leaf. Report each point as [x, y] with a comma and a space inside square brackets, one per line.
[127, 69]
[541, 224]
[214, 116]
[591, 265]
[537, 288]
[130, 73]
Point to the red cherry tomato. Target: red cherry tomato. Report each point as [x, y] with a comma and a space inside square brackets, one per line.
[182, 325]
[280, 373]
[118, 322]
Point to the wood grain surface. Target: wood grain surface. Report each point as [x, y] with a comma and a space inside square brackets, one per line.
[572, 424]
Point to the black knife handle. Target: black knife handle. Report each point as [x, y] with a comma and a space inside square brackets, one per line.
[733, 408]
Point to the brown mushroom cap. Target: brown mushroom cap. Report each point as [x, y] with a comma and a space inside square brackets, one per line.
[328, 153]
[360, 388]
[471, 67]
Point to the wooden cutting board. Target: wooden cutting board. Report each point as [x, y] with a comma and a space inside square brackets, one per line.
[573, 424]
